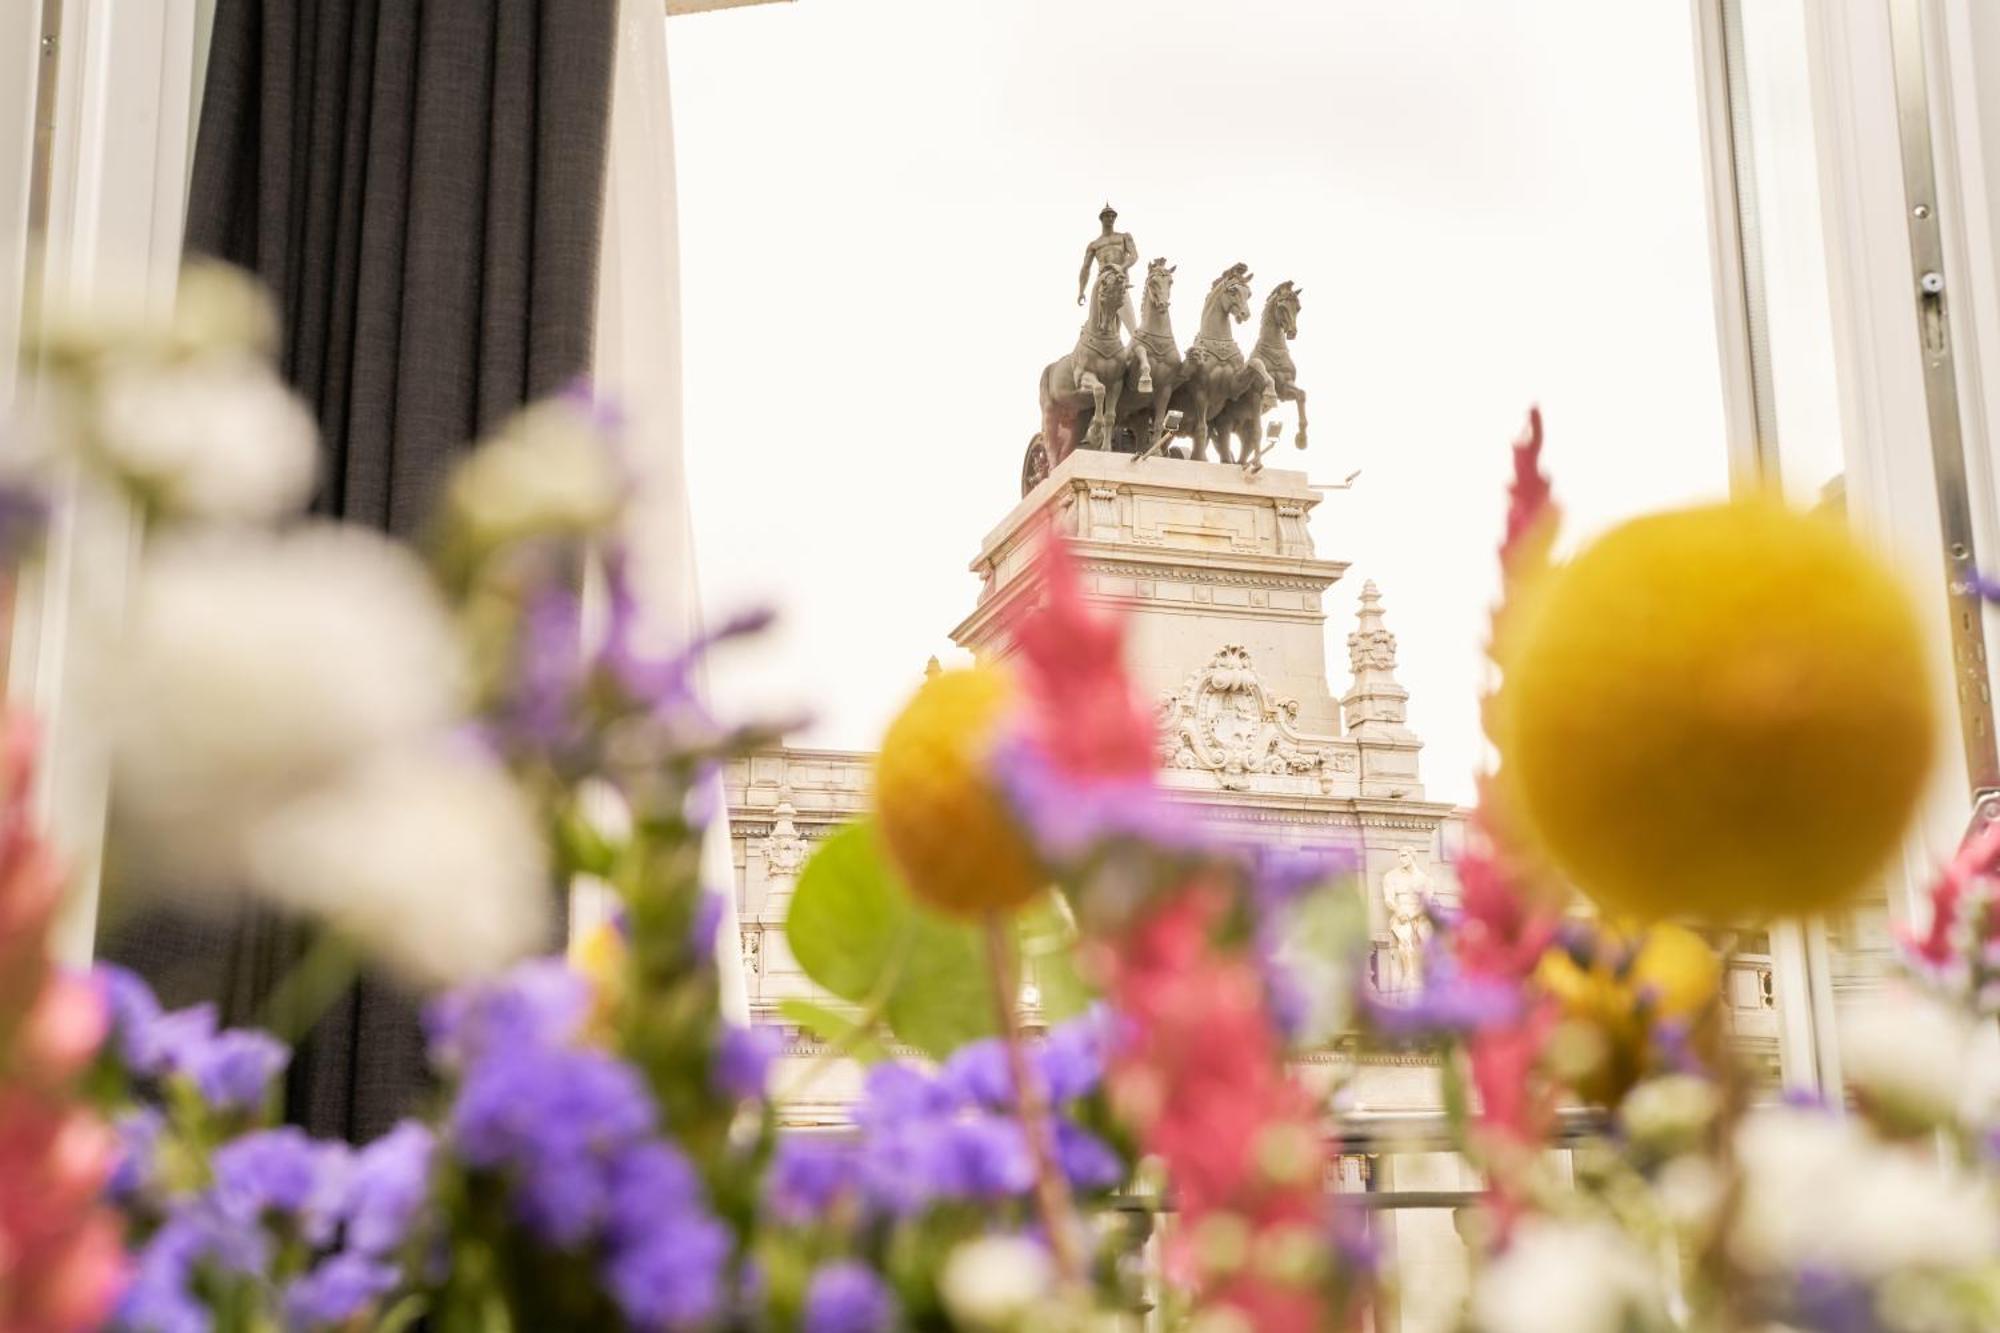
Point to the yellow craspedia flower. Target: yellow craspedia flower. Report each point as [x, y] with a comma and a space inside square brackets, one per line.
[942, 818]
[600, 954]
[1610, 1008]
[1716, 711]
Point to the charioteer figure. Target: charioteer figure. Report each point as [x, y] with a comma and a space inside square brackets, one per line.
[1111, 249]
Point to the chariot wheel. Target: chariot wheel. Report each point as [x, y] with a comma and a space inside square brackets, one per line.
[1034, 464]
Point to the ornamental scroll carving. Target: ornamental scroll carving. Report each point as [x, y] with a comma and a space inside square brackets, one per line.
[1223, 721]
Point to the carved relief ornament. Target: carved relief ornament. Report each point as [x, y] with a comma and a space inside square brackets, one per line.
[1223, 721]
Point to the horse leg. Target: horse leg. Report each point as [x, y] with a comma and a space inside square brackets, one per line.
[1299, 397]
[1267, 388]
[1145, 367]
[1099, 434]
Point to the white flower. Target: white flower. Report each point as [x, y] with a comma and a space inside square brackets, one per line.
[1819, 1191]
[548, 471]
[1690, 1191]
[1667, 1115]
[1911, 1055]
[257, 666]
[1568, 1277]
[428, 858]
[218, 438]
[994, 1281]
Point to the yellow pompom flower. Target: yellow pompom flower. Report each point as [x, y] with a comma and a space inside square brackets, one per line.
[1720, 711]
[600, 955]
[943, 819]
[1668, 974]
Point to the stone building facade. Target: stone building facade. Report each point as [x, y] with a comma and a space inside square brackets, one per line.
[1222, 584]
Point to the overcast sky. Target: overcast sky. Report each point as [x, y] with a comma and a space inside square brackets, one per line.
[1489, 203]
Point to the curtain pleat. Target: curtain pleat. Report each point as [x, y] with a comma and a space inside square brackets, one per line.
[420, 186]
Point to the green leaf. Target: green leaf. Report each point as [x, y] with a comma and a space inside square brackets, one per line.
[859, 933]
[944, 997]
[848, 1034]
[849, 917]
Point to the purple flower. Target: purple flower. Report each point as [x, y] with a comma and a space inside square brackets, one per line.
[1072, 1059]
[704, 928]
[743, 1058]
[539, 1003]
[1086, 1160]
[137, 1169]
[894, 1092]
[336, 1290]
[160, 1296]
[1983, 586]
[562, 1196]
[133, 1010]
[847, 1297]
[388, 1187]
[283, 1171]
[233, 1069]
[672, 1278]
[1833, 1302]
[169, 1043]
[977, 1073]
[808, 1175]
[542, 709]
[1069, 819]
[1450, 1002]
[983, 1157]
[651, 1185]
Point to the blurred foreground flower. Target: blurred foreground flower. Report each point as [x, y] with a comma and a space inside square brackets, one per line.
[258, 667]
[1718, 711]
[61, 1264]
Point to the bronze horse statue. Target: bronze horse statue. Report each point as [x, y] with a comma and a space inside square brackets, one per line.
[1216, 375]
[1245, 416]
[1091, 379]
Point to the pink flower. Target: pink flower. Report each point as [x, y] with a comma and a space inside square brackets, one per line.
[1200, 1073]
[56, 1273]
[1083, 713]
[62, 1030]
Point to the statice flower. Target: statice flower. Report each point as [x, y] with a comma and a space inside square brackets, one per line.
[848, 1297]
[336, 1290]
[136, 1168]
[743, 1058]
[233, 1071]
[134, 1010]
[667, 1253]
[550, 1118]
[388, 1188]
[539, 1003]
[283, 1171]
[926, 1139]
[809, 1175]
[573, 1131]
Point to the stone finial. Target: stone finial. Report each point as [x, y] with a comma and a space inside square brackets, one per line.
[1376, 705]
[933, 668]
[1371, 647]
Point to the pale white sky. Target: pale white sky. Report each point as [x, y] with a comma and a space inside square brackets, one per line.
[883, 204]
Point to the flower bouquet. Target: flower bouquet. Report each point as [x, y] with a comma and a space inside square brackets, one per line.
[1706, 719]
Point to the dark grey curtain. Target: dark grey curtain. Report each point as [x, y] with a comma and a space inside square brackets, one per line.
[420, 183]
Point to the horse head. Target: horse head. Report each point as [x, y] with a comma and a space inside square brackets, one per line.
[1230, 293]
[1106, 298]
[1159, 284]
[1282, 306]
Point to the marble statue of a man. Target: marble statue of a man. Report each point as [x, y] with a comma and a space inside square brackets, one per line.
[1111, 248]
[1406, 895]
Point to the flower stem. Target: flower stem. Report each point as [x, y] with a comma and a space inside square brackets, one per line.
[1052, 1197]
[328, 967]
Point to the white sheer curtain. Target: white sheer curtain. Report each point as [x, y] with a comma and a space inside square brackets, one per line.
[638, 364]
